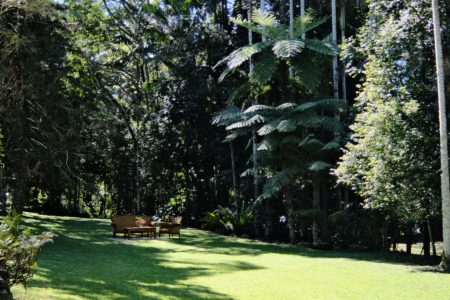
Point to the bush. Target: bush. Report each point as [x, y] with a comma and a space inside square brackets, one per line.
[19, 249]
[227, 220]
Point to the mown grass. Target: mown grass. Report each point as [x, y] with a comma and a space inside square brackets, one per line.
[84, 263]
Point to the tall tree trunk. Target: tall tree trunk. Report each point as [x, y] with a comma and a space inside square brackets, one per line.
[291, 36]
[430, 234]
[290, 208]
[409, 238]
[316, 206]
[21, 186]
[3, 199]
[138, 182]
[426, 239]
[335, 57]
[302, 13]
[233, 170]
[445, 189]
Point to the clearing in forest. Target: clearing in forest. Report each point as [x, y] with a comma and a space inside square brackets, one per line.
[85, 263]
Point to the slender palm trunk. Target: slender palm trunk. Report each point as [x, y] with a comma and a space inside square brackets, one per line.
[316, 206]
[233, 170]
[445, 189]
[302, 13]
[290, 208]
[291, 36]
[335, 58]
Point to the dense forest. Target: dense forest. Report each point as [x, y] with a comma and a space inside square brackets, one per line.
[302, 121]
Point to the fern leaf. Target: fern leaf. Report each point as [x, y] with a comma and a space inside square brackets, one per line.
[264, 18]
[229, 115]
[286, 106]
[322, 47]
[307, 23]
[247, 123]
[288, 48]
[286, 126]
[264, 68]
[255, 108]
[319, 166]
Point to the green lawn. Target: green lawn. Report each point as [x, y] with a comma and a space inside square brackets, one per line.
[84, 263]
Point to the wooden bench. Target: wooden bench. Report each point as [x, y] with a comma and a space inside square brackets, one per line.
[120, 223]
[140, 229]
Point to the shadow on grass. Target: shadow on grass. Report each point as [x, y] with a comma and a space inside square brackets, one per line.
[83, 262]
[213, 243]
[86, 263]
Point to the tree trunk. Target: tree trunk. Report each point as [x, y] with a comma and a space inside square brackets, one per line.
[290, 208]
[445, 189]
[430, 234]
[334, 41]
[426, 240]
[302, 13]
[409, 240]
[21, 186]
[137, 181]
[316, 206]
[233, 170]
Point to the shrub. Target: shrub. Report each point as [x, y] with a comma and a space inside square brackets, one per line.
[227, 220]
[19, 249]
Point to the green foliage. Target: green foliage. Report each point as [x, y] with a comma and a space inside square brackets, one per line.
[392, 160]
[226, 219]
[19, 249]
[277, 41]
[357, 228]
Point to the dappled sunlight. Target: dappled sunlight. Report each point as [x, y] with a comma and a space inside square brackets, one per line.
[84, 263]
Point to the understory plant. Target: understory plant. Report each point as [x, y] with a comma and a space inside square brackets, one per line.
[229, 220]
[19, 249]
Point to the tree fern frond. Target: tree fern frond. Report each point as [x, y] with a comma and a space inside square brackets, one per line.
[288, 48]
[332, 145]
[247, 123]
[286, 126]
[274, 184]
[229, 115]
[325, 48]
[286, 106]
[269, 127]
[291, 139]
[331, 124]
[264, 68]
[239, 93]
[257, 107]
[332, 103]
[239, 56]
[264, 18]
[310, 141]
[246, 24]
[319, 166]
[307, 23]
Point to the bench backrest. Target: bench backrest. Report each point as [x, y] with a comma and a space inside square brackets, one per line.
[120, 222]
[176, 220]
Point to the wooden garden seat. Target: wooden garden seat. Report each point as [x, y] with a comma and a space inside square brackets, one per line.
[120, 223]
